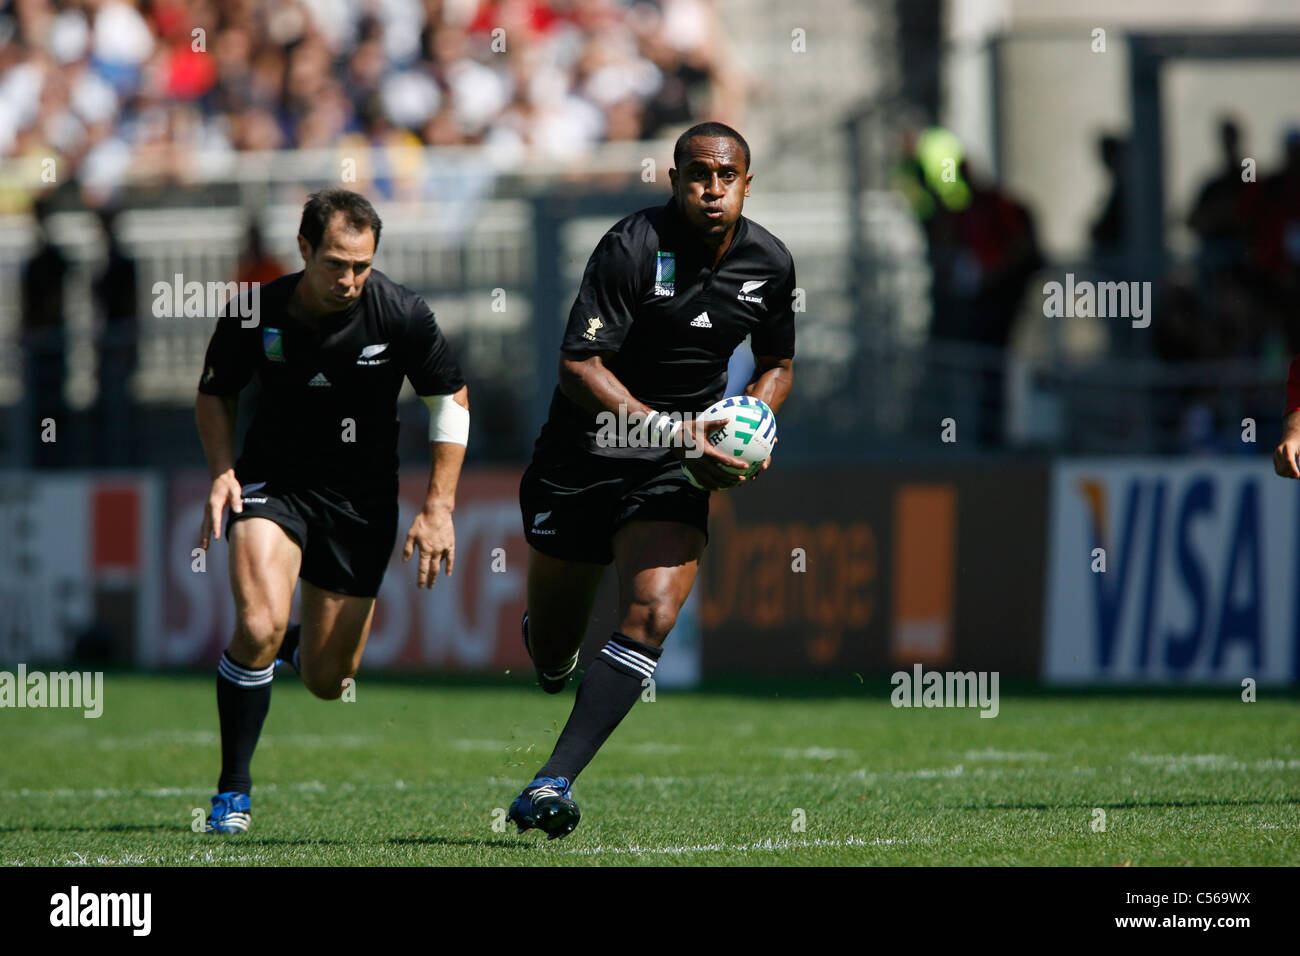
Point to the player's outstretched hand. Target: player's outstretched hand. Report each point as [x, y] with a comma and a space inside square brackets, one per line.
[435, 535]
[711, 468]
[225, 490]
[1284, 455]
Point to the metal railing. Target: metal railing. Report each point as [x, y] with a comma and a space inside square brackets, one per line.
[868, 381]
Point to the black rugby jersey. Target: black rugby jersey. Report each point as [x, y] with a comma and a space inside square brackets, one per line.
[311, 382]
[651, 295]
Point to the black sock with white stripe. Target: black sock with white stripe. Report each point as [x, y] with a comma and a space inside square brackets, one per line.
[243, 698]
[607, 692]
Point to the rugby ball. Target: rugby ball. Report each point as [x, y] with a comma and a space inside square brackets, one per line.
[748, 435]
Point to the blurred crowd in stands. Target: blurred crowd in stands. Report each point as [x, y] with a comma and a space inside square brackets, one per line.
[1233, 298]
[1237, 299]
[147, 86]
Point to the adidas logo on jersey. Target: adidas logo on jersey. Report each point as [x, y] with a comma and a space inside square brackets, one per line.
[701, 321]
[319, 380]
[749, 287]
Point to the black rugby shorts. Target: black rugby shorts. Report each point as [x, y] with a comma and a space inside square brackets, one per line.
[346, 539]
[572, 503]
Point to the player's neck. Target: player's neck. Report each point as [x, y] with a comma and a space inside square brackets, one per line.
[302, 308]
[724, 245]
[713, 249]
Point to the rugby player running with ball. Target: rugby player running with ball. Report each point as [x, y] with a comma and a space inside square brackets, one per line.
[313, 497]
[666, 297]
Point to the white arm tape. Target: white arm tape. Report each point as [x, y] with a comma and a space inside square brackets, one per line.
[662, 425]
[448, 421]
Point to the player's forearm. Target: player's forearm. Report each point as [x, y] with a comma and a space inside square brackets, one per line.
[1291, 426]
[593, 386]
[448, 439]
[1293, 387]
[215, 417]
[773, 385]
[444, 475]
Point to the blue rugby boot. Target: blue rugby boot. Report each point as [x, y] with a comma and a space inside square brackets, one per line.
[546, 804]
[230, 813]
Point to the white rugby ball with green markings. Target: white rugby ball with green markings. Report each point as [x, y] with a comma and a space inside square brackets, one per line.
[748, 436]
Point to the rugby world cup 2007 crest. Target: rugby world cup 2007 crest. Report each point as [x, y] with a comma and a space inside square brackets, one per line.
[665, 273]
[272, 345]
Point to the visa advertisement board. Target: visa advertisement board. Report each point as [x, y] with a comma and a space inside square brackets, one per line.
[1185, 571]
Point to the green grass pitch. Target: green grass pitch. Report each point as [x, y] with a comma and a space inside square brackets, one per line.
[418, 773]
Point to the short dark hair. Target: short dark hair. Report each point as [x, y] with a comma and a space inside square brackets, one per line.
[712, 130]
[321, 207]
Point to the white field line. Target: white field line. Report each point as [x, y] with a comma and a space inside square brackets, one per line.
[991, 754]
[497, 746]
[812, 753]
[210, 738]
[115, 793]
[651, 747]
[209, 856]
[205, 738]
[1179, 762]
[1176, 762]
[136, 859]
[761, 845]
[509, 783]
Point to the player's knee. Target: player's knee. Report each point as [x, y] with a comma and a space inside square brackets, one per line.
[650, 621]
[554, 645]
[258, 633]
[325, 679]
[327, 683]
[326, 691]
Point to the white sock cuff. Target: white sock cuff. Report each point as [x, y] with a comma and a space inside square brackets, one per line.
[244, 676]
[629, 659]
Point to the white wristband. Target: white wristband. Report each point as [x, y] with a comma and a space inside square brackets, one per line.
[448, 420]
[663, 427]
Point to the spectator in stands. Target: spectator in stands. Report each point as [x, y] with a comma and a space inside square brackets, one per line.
[116, 303]
[1272, 217]
[1108, 229]
[1216, 216]
[1218, 309]
[983, 250]
[255, 263]
[989, 246]
[44, 337]
[1231, 318]
[143, 88]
